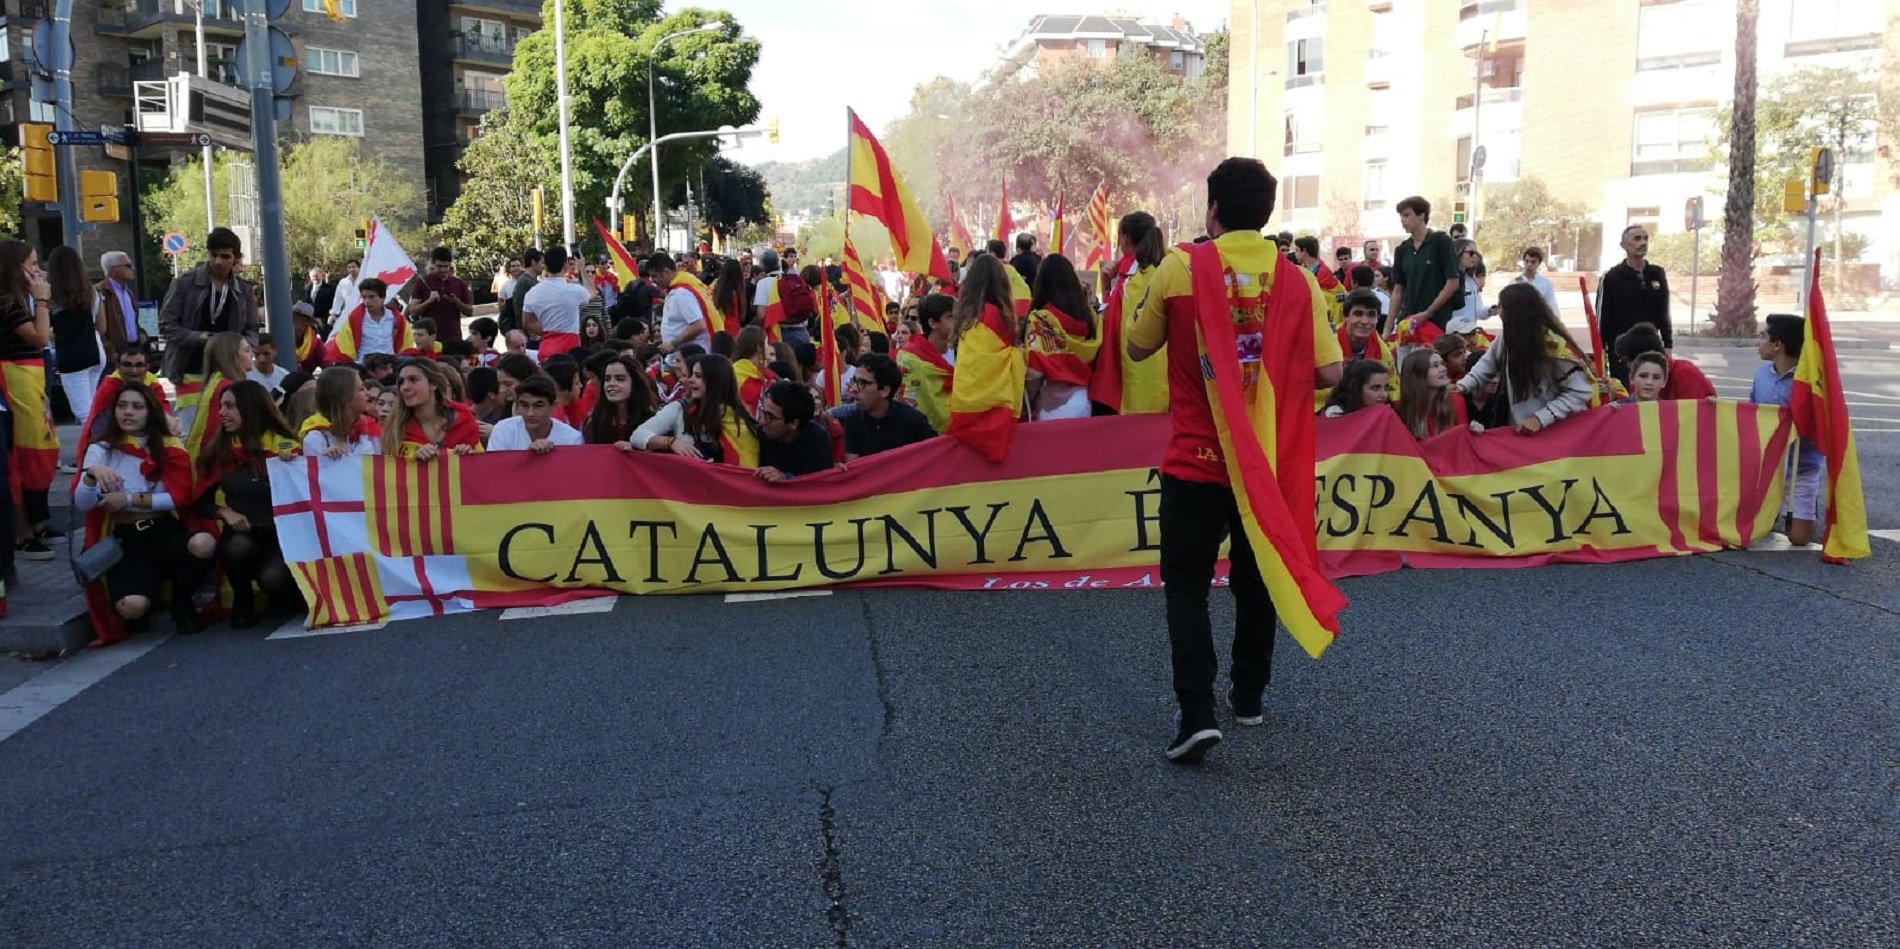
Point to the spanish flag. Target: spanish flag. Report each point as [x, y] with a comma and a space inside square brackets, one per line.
[877, 192]
[204, 425]
[772, 318]
[1004, 224]
[752, 382]
[986, 394]
[625, 270]
[703, 296]
[1601, 362]
[1061, 347]
[1058, 228]
[1272, 477]
[959, 232]
[927, 377]
[35, 455]
[828, 358]
[1820, 415]
[172, 469]
[1019, 293]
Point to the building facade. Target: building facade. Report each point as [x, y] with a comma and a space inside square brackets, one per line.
[466, 49]
[1610, 103]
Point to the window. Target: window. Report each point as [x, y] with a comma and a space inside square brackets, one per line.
[1676, 35]
[1300, 192]
[332, 62]
[1098, 48]
[1672, 142]
[1463, 167]
[1302, 136]
[1305, 61]
[1375, 186]
[1378, 111]
[37, 111]
[316, 6]
[1176, 60]
[328, 121]
[1832, 19]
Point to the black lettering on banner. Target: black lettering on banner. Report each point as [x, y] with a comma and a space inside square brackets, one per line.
[1600, 503]
[980, 537]
[1536, 492]
[893, 532]
[1143, 498]
[653, 544]
[1048, 535]
[818, 549]
[592, 536]
[1342, 500]
[507, 563]
[1383, 491]
[710, 538]
[1427, 498]
[1470, 512]
[765, 568]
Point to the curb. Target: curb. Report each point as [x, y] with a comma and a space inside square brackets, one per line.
[42, 639]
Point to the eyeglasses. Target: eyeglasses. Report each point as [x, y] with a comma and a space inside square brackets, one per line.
[771, 416]
[856, 383]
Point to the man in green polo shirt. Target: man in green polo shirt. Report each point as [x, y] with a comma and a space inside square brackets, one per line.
[1426, 281]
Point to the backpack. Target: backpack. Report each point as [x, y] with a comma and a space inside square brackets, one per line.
[796, 297]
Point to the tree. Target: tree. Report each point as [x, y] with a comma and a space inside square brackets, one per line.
[917, 141]
[494, 217]
[1735, 289]
[701, 84]
[735, 196]
[329, 187]
[10, 185]
[1523, 214]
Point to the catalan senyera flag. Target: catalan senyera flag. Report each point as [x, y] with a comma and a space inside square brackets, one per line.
[1098, 221]
[865, 310]
[828, 357]
[877, 192]
[1820, 415]
[1004, 223]
[959, 232]
[626, 271]
[1058, 228]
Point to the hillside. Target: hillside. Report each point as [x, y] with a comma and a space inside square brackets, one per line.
[804, 185]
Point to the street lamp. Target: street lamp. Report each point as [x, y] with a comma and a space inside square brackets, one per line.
[567, 155]
[653, 119]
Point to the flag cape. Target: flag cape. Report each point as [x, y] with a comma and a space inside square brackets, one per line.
[1059, 346]
[1004, 224]
[986, 395]
[366, 427]
[1125, 386]
[107, 395]
[1019, 293]
[877, 192]
[1074, 507]
[463, 429]
[346, 341]
[772, 318]
[203, 427]
[1819, 408]
[752, 383]
[927, 379]
[1274, 491]
[385, 260]
[309, 354]
[702, 295]
[35, 454]
[107, 627]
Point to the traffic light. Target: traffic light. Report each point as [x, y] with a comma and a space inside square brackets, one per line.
[1457, 212]
[40, 171]
[1821, 170]
[99, 197]
[1794, 196]
[626, 228]
[362, 235]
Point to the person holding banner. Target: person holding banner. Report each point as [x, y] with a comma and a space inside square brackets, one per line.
[1248, 344]
[425, 422]
[1427, 404]
[343, 423]
[627, 400]
[710, 424]
[1544, 373]
[1364, 384]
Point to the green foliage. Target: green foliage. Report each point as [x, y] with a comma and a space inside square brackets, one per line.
[1675, 252]
[700, 84]
[1524, 214]
[735, 196]
[494, 217]
[329, 187]
[1832, 107]
[811, 186]
[10, 185]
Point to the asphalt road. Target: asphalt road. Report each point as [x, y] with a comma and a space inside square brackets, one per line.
[1700, 750]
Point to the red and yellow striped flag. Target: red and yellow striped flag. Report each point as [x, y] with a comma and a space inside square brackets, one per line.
[1098, 220]
[1820, 415]
[1058, 228]
[959, 232]
[864, 306]
[877, 192]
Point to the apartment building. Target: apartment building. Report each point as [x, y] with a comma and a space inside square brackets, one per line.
[1051, 38]
[1611, 103]
[467, 47]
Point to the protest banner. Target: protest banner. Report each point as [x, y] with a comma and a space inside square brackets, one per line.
[1075, 506]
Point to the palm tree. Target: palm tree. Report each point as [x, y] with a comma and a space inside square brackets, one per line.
[1735, 290]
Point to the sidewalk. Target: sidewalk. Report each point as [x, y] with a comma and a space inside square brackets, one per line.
[45, 614]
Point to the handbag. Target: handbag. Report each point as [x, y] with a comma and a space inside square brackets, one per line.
[90, 565]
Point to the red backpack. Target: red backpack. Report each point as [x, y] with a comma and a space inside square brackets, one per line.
[796, 297]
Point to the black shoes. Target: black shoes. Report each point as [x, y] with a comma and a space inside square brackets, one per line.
[1247, 707]
[1191, 744]
[32, 548]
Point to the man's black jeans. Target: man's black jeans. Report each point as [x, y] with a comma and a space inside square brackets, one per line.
[1195, 518]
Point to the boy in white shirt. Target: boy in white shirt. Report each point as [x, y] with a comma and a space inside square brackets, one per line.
[533, 427]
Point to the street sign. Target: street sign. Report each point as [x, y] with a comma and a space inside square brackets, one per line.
[114, 133]
[1692, 218]
[174, 139]
[175, 243]
[1477, 160]
[75, 138]
[282, 63]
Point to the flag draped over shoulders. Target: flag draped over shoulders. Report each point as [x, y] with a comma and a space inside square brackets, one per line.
[986, 394]
[346, 343]
[1061, 347]
[1820, 414]
[172, 470]
[927, 379]
[1123, 385]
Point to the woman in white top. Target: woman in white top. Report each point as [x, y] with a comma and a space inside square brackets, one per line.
[1470, 264]
[343, 406]
[127, 488]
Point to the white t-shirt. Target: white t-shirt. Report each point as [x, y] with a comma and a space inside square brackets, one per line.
[272, 381]
[1543, 286]
[347, 297]
[315, 443]
[511, 434]
[682, 310]
[557, 304]
[761, 295]
[379, 336]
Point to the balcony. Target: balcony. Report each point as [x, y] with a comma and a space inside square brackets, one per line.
[1494, 21]
[1378, 69]
[1301, 13]
[117, 80]
[522, 9]
[476, 48]
[1503, 111]
[479, 101]
[146, 19]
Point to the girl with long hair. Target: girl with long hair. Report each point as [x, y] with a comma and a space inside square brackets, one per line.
[730, 298]
[1427, 403]
[751, 356]
[236, 486]
[709, 424]
[79, 349]
[131, 484]
[1544, 372]
[425, 421]
[228, 358]
[1120, 384]
[1062, 342]
[344, 422]
[26, 310]
[1364, 384]
[627, 401]
[986, 394]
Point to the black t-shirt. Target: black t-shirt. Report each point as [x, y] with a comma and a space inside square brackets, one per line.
[809, 453]
[902, 425]
[12, 317]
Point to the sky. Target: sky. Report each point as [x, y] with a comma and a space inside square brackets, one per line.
[817, 56]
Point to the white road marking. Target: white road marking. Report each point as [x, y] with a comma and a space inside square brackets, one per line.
[775, 595]
[1886, 535]
[25, 703]
[294, 629]
[1778, 543]
[598, 604]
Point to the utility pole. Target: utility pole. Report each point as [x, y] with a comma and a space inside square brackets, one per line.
[560, 95]
[270, 194]
[204, 72]
[60, 57]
